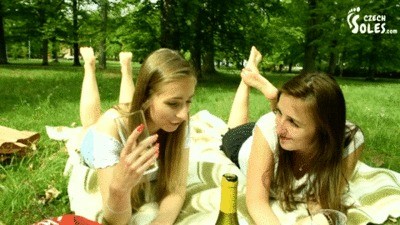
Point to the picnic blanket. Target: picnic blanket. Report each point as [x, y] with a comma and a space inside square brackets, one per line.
[374, 192]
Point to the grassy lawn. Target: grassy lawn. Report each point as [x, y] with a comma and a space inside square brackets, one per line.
[33, 96]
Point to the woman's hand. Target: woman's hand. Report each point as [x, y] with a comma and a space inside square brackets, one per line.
[135, 159]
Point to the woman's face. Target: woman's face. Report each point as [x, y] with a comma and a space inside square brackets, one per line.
[295, 126]
[171, 104]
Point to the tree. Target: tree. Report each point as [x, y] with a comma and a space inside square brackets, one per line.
[75, 36]
[170, 35]
[42, 17]
[195, 33]
[136, 28]
[311, 35]
[3, 53]
[49, 17]
[104, 6]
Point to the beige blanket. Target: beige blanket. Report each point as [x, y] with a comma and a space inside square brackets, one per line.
[375, 192]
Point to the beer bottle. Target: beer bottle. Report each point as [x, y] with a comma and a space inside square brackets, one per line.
[228, 212]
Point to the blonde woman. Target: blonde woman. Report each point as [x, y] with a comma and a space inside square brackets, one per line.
[164, 89]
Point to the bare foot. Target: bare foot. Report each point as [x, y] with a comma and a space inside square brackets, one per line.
[88, 56]
[125, 58]
[260, 83]
[254, 59]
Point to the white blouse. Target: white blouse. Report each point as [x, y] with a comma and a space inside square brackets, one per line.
[267, 126]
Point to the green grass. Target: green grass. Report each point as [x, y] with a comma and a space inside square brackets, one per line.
[33, 96]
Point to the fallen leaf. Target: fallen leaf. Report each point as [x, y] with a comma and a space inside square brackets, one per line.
[50, 194]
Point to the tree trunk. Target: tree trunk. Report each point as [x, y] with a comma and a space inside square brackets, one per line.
[290, 67]
[3, 53]
[196, 61]
[45, 51]
[169, 25]
[372, 59]
[208, 66]
[209, 50]
[54, 49]
[311, 35]
[196, 44]
[75, 32]
[332, 58]
[45, 41]
[332, 63]
[103, 39]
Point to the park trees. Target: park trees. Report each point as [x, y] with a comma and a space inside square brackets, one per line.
[313, 34]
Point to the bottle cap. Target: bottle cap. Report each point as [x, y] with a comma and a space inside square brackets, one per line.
[229, 180]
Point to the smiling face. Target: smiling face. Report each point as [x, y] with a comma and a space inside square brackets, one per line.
[295, 126]
[170, 105]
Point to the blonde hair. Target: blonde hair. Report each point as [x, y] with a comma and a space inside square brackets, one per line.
[161, 67]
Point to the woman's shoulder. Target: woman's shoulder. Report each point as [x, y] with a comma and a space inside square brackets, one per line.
[267, 126]
[266, 119]
[106, 123]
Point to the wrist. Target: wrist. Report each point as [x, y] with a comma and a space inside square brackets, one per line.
[119, 192]
[117, 209]
[118, 202]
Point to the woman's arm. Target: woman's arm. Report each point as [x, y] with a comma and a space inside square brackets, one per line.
[116, 203]
[171, 205]
[259, 176]
[116, 182]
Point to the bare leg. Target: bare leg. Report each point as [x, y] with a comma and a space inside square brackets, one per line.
[251, 77]
[255, 80]
[90, 108]
[127, 86]
[240, 107]
[254, 59]
[239, 112]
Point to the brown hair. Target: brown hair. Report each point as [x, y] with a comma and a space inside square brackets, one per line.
[326, 101]
[161, 67]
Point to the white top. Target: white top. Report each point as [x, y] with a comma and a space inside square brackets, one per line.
[267, 126]
[100, 150]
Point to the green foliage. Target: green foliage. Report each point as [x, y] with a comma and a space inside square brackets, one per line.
[216, 31]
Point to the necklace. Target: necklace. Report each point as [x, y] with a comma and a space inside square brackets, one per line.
[301, 167]
[305, 163]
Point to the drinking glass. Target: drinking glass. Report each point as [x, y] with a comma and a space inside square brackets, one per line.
[126, 123]
[329, 216]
